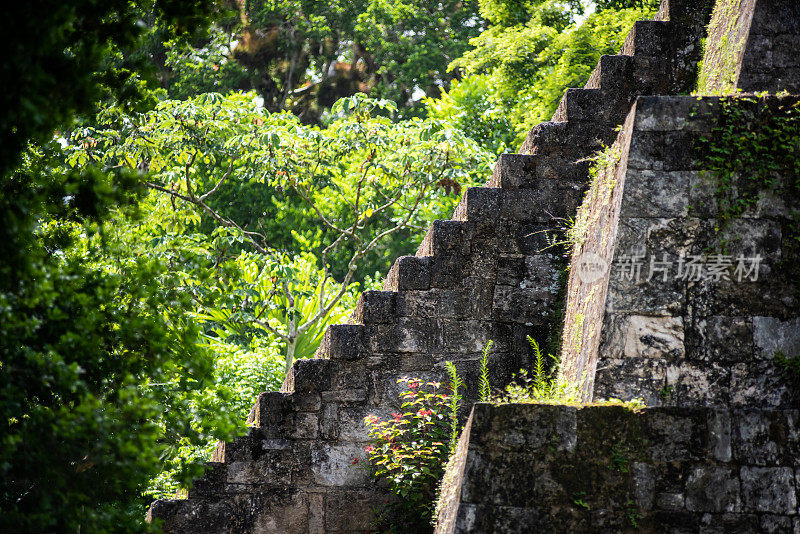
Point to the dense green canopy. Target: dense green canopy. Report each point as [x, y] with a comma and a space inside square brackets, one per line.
[190, 192]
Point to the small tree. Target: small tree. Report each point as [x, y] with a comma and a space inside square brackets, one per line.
[361, 180]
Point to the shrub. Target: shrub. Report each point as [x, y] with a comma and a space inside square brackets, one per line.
[409, 452]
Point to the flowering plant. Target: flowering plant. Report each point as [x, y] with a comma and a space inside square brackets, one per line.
[409, 451]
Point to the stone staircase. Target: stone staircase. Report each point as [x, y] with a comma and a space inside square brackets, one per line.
[484, 275]
[717, 447]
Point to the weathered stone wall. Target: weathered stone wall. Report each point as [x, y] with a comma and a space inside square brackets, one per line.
[538, 468]
[752, 46]
[706, 336]
[483, 276]
[665, 303]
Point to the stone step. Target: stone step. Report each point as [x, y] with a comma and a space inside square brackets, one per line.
[271, 409]
[308, 376]
[570, 141]
[479, 204]
[212, 482]
[514, 171]
[450, 238]
[545, 137]
[648, 38]
[612, 73]
[346, 341]
[408, 272]
[440, 303]
[376, 307]
[593, 106]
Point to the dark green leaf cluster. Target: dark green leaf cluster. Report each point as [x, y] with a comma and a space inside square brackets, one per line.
[65, 56]
[90, 334]
[522, 64]
[303, 56]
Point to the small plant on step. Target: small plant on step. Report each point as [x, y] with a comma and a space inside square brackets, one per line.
[789, 367]
[484, 388]
[409, 451]
[545, 384]
[454, 402]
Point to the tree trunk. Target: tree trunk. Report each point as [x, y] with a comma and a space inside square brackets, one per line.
[290, 355]
[291, 345]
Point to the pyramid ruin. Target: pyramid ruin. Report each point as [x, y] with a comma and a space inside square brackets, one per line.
[672, 298]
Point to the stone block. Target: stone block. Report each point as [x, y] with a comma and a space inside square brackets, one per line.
[333, 464]
[348, 376]
[446, 238]
[350, 511]
[344, 342]
[713, 489]
[523, 305]
[316, 513]
[654, 337]
[306, 403]
[407, 335]
[771, 335]
[760, 383]
[612, 74]
[663, 151]
[447, 271]
[774, 524]
[630, 291]
[351, 424]
[271, 409]
[345, 395]
[311, 376]
[477, 293]
[211, 483]
[544, 137]
[719, 435]
[511, 269]
[676, 434]
[722, 339]
[329, 422]
[644, 378]
[784, 51]
[277, 512]
[703, 384]
[653, 75]
[670, 501]
[271, 467]
[430, 304]
[306, 426]
[591, 105]
[769, 489]
[461, 336]
[656, 193]
[408, 272]
[647, 38]
[643, 476]
[674, 113]
[511, 171]
[375, 307]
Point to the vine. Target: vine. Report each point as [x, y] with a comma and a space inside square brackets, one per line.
[753, 149]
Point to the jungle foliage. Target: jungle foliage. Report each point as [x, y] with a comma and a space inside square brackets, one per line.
[193, 191]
